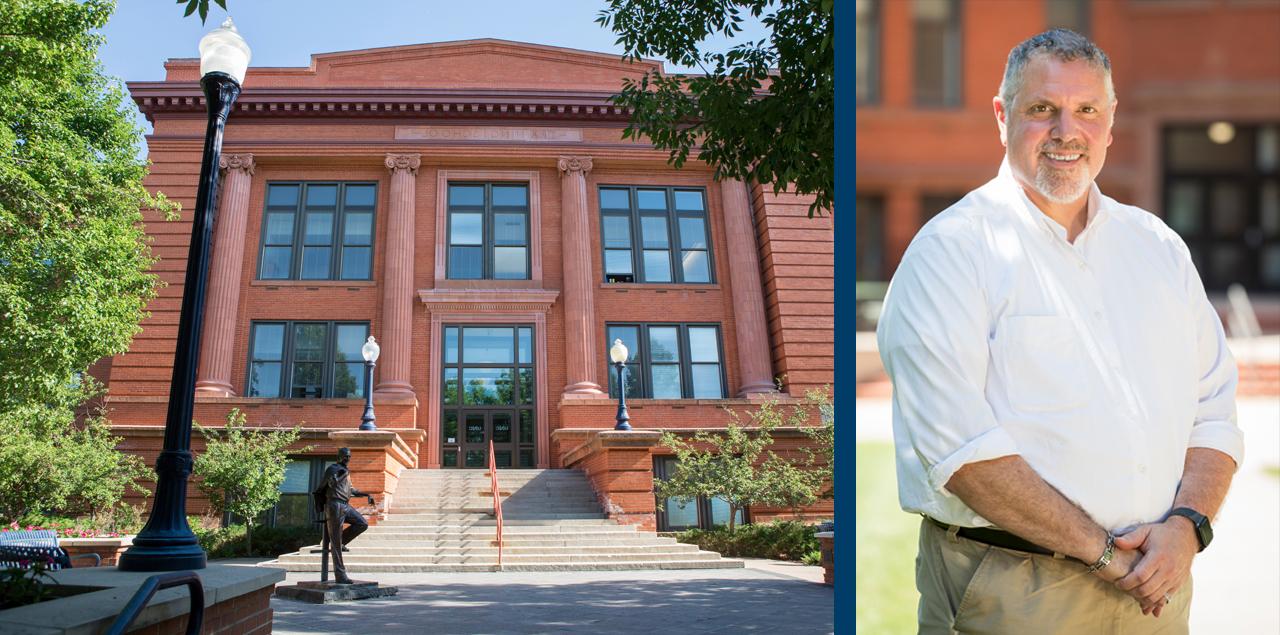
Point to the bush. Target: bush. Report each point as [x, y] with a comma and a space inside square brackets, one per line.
[268, 542]
[813, 558]
[777, 540]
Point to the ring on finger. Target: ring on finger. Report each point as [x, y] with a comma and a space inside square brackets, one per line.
[1167, 599]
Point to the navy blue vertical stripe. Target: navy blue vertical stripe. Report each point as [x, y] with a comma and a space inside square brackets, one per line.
[845, 349]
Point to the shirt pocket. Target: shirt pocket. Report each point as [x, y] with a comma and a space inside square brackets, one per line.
[1043, 361]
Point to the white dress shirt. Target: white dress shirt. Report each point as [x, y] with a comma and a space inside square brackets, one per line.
[1099, 362]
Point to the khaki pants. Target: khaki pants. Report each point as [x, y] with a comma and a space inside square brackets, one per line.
[972, 588]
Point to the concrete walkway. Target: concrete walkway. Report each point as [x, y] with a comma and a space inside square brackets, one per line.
[764, 597]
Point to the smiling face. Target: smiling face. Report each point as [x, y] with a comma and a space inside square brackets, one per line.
[1056, 131]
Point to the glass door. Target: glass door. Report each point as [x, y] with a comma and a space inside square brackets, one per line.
[488, 374]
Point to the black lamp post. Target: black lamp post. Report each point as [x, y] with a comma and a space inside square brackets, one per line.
[618, 353]
[370, 353]
[166, 543]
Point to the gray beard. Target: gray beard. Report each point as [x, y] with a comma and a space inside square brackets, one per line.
[1061, 187]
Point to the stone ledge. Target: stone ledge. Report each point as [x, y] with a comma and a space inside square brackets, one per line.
[608, 439]
[92, 613]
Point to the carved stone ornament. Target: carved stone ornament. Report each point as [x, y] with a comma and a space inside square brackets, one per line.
[574, 164]
[408, 162]
[243, 162]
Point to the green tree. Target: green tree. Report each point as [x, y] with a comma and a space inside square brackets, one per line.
[822, 453]
[202, 6]
[49, 463]
[74, 261]
[241, 470]
[763, 111]
[737, 466]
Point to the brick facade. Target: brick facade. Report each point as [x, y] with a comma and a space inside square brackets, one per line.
[470, 109]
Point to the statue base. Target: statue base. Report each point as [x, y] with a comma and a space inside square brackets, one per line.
[330, 592]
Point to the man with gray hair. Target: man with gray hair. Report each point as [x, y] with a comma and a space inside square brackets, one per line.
[1064, 399]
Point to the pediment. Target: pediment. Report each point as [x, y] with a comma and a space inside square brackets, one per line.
[470, 64]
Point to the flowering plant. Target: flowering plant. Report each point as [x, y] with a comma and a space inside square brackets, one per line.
[25, 584]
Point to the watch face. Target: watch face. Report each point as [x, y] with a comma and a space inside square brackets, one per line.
[1205, 532]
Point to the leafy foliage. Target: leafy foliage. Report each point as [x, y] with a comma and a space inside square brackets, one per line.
[778, 540]
[736, 465]
[823, 439]
[763, 111]
[271, 542]
[241, 470]
[22, 586]
[73, 257]
[50, 463]
[202, 6]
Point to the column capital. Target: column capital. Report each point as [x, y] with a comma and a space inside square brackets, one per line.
[243, 162]
[408, 162]
[569, 165]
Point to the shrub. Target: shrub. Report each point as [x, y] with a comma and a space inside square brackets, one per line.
[777, 540]
[813, 558]
[269, 542]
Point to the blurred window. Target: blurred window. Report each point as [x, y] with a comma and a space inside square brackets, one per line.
[933, 204]
[869, 239]
[306, 360]
[867, 54]
[1067, 14]
[1222, 195]
[938, 54]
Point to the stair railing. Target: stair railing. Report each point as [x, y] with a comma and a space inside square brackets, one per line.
[497, 501]
[195, 617]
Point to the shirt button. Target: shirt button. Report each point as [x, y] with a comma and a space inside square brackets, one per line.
[1142, 469]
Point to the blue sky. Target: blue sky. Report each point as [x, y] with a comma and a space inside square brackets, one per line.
[144, 33]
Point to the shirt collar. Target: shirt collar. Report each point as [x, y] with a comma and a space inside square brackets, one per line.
[1095, 214]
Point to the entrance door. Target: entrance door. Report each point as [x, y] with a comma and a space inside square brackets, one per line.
[487, 395]
[481, 426]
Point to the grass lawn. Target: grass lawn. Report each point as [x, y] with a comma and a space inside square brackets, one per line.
[886, 543]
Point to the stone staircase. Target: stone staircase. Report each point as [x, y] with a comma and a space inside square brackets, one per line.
[442, 520]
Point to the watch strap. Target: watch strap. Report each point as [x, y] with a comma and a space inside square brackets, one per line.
[1204, 531]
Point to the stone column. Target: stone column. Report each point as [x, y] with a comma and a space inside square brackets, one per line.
[213, 374]
[397, 279]
[755, 371]
[576, 245]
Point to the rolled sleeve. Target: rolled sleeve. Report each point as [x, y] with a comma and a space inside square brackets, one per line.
[933, 337]
[1215, 424]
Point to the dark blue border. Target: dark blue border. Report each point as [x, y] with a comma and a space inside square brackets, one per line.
[845, 329]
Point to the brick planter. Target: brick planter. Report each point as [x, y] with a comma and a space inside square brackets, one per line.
[827, 543]
[109, 549]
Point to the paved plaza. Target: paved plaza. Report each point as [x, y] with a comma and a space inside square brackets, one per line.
[764, 597]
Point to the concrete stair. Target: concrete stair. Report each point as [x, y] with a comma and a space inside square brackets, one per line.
[442, 521]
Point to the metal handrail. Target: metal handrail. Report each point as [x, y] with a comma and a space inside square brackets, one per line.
[497, 501]
[155, 583]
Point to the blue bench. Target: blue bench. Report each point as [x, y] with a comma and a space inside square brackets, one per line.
[39, 545]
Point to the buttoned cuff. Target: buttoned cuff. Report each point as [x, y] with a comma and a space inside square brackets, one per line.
[1223, 436]
[992, 444]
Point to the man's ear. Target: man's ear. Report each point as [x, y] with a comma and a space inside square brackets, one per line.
[1110, 136]
[997, 104]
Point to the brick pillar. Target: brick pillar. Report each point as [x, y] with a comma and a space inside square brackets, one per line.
[754, 367]
[213, 374]
[397, 286]
[579, 297]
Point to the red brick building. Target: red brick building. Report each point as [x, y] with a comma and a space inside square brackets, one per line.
[474, 207]
[1197, 132]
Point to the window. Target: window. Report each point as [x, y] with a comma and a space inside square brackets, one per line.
[866, 59]
[869, 238]
[703, 512]
[307, 360]
[669, 361]
[488, 231]
[933, 204]
[318, 231]
[301, 476]
[1067, 14]
[1222, 195]
[937, 52]
[655, 235]
[488, 396]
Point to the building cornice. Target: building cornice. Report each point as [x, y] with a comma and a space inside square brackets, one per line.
[186, 98]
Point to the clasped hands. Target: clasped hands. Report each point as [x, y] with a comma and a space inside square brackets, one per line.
[1153, 560]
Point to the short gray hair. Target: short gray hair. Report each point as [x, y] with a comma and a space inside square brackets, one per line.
[1065, 45]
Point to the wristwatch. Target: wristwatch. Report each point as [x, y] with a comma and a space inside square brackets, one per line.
[1204, 531]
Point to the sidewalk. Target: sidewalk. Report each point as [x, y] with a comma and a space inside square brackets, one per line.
[766, 596]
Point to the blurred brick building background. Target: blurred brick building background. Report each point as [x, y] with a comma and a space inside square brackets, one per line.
[1197, 137]
[1197, 133]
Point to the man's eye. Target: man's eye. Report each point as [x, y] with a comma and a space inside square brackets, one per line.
[1089, 110]
[1039, 109]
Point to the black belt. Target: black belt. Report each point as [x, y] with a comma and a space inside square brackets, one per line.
[995, 538]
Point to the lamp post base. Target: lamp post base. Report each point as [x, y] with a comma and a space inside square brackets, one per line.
[162, 556]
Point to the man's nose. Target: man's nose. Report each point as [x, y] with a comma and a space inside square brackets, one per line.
[1065, 127]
